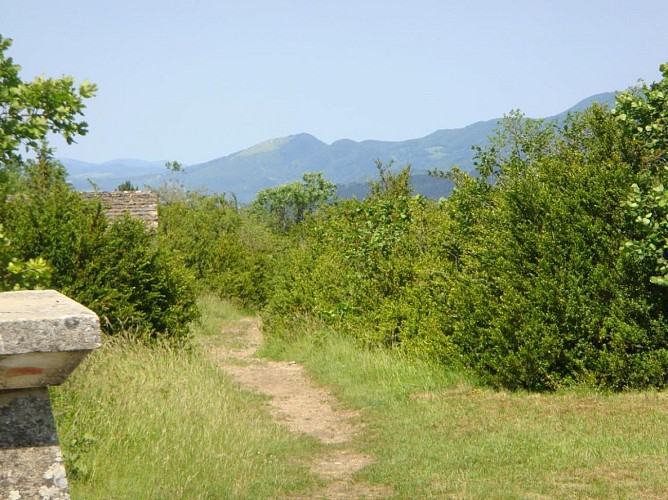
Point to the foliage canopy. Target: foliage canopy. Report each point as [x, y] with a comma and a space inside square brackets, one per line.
[288, 204]
[52, 237]
[29, 111]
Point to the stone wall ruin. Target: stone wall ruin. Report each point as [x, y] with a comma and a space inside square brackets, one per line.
[140, 204]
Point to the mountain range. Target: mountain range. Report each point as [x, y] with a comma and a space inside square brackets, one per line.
[347, 163]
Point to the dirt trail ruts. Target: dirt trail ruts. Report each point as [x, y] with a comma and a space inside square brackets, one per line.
[303, 407]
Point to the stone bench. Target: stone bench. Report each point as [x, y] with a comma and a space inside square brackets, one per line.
[44, 335]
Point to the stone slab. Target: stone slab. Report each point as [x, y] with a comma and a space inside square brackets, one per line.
[45, 321]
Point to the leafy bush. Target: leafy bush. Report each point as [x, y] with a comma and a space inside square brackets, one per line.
[135, 287]
[228, 251]
[367, 268]
[535, 272]
[16, 274]
[114, 269]
[642, 113]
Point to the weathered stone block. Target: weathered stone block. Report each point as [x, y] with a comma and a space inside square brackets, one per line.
[142, 205]
[43, 337]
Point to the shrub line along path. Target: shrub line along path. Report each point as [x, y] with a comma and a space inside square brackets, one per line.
[296, 402]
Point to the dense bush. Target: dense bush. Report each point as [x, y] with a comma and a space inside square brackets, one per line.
[544, 296]
[370, 268]
[545, 269]
[284, 206]
[227, 250]
[115, 269]
[135, 286]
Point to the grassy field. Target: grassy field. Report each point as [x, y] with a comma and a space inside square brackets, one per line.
[158, 423]
[437, 434]
[138, 422]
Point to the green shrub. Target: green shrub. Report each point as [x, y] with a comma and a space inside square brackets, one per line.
[520, 274]
[16, 274]
[366, 268]
[115, 269]
[227, 250]
[544, 297]
[134, 286]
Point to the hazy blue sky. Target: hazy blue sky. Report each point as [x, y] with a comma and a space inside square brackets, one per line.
[196, 80]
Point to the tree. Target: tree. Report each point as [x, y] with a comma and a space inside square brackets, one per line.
[30, 111]
[288, 204]
[642, 113]
[63, 241]
[127, 186]
[174, 166]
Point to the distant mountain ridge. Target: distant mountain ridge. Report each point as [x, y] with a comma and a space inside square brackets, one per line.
[82, 175]
[277, 161]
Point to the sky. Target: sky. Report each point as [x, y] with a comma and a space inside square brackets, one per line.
[197, 80]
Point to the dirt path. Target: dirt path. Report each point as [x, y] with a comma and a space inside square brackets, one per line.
[303, 407]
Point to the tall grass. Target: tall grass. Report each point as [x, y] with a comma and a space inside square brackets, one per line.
[156, 422]
[438, 434]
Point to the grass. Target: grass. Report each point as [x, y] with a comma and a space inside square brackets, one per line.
[140, 422]
[437, 434]
[215, 313]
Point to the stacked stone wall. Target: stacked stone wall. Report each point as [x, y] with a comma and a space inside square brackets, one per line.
[140, 204]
